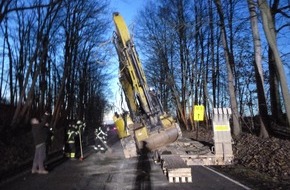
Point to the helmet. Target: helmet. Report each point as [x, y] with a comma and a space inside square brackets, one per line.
[34, 121]
[79, 122]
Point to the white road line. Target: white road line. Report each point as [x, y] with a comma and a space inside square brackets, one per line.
[234, 181]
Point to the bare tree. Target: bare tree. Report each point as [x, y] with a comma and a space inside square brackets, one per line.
[52, 59]
[269, 28]
[8, 6]
[4, 31]
[40, 51]
[164, 41]
[82, 25]
[10, 57]
[230, 66]
[186, 47]
[264, 128]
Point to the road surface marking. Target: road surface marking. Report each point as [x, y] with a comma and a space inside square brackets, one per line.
[234, 181]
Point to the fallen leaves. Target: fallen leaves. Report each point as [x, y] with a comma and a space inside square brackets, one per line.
[270, 155]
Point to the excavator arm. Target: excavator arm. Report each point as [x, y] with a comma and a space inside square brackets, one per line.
[146, 125]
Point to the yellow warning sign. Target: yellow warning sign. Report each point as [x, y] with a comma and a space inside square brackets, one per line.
[198, 113]
[222, 128]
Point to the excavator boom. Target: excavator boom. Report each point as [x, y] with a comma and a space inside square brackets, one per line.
[146, 124]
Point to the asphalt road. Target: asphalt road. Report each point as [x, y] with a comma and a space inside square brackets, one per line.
[111, 171]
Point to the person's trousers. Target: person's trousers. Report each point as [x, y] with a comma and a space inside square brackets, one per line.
[72, 149]
[39, 157]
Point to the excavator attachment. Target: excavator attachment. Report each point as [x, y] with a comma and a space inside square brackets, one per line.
[146, 125]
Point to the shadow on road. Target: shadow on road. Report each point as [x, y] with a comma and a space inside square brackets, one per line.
[143, 170]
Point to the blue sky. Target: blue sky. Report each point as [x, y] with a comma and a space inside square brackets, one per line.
[127, 8]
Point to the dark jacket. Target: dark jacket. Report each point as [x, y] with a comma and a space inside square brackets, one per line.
[40, 132]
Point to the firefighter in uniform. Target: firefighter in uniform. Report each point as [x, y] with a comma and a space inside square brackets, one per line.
[71, 135]
[100, 140]
[80, 127]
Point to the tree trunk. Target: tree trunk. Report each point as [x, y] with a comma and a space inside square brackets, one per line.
[275, 100]
[183, 61]
[10, 67]
[259, 75]
[270, 32]
[230, 65]
[214, 72]
[16, 116]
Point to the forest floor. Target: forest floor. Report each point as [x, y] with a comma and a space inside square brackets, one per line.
[259, 163]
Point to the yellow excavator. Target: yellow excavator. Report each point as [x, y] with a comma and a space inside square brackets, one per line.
[145, 126]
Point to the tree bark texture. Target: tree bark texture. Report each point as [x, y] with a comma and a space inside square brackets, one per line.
[269, 28]
[259, 75]
[230, 65]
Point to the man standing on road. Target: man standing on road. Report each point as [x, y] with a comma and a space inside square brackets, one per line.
[39, 133]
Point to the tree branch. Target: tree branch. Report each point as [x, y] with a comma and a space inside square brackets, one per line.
[7, 10]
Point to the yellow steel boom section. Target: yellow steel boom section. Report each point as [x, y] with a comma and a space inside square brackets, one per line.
[132, 75]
